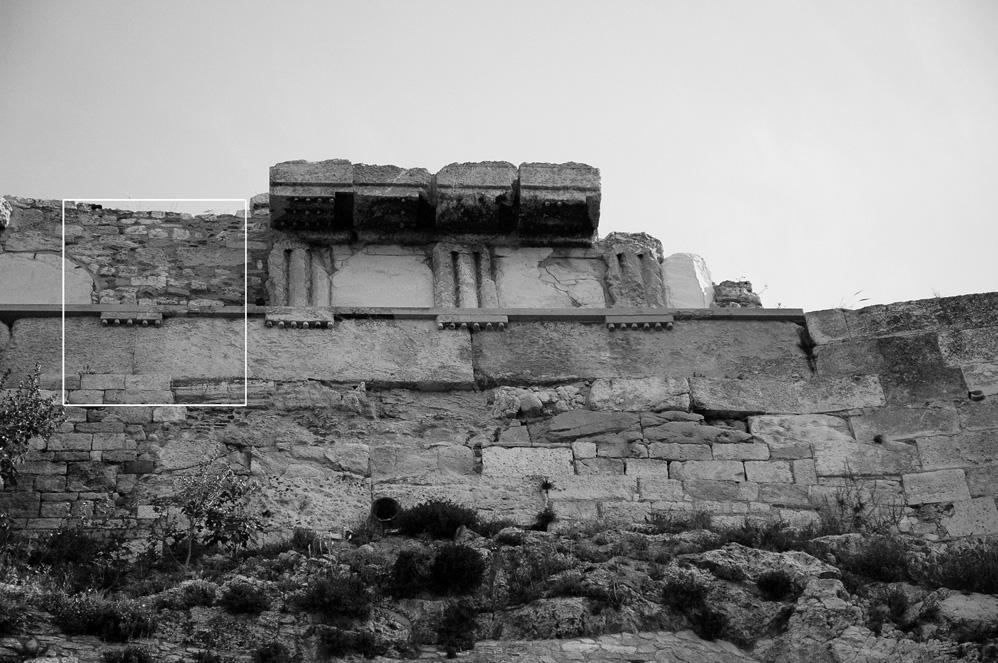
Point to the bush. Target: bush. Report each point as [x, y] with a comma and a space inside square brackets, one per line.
[12, 609]
[438, 518]
[187, 595]
[544, 520]
[676, 522]
[127, 655]
[409, 575]
[456, 569]
[337, 643]
[776, 585]
[684, 590]
[491, 528]
[889, 604]
[336, 595]
[305, 540]
[83, 559]
[24, 414]
[708, 624]
[89, 614]
[273, 652]
[879, 558]
[242, 598]
[773, 535]
[456, 631]
[973, 568]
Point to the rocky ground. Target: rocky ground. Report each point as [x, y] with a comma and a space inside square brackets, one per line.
[667, 592]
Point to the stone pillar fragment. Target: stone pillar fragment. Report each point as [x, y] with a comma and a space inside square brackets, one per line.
[736, 294]
[634, 275]
[474, 197]
[308, 195]
[391, 199]
[687, 281]
[321, 284]
[462, 277]
[488, 294]
[558, 199]
[467, 281]
[444, 277]
[299, 277]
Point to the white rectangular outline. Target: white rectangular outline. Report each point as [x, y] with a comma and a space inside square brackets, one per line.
[245, 202]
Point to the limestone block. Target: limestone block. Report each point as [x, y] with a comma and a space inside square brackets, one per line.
[88, 346]
[756, 396]
[558, 199]
[634, 273]
[833, 457]
[776, 471]
[584, 449]
[904, 423]
[409, 353]
[109, 441]
[750, 451]
[575, 509]
[518, 498]
[516, 436]
[149, 382]
[614, 446]
[549, 352]
[652, 394]
[85, 396]
[585, 423]
[721, 491]
[137, 397]
[70, 442]
[556, 462]
[544, 277]
[169, 413]
[102, 381]
[671, 451]
[963, 450]
[36, 278]
[687, 281]
[827, 326]
[625, 512]
[896, 318]
[405, 457]
[784, 494]
[982, 480]
[594, 487]
[976, 517]
[685, 432]
[474, 197]
[969, 346]
[805, 473]
[303, 497]
[5, 211]
[721, 470]
[970, 311]
[791, 436]
[969, 609]
[982, 377]
[5, 337]
[391, 199]
[647, 467]
[304, 195]
[381, 275]
[657, 488]
[936, 486]
[599, 466]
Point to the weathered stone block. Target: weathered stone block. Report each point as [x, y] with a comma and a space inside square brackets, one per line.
[585, 423]
[905, 423]
[169, 413]
[575, 509]
[41, 467]
[982, 480]
[977, 517]
[556, 462]
[656, 488]
[783, 494]
[791, 436]
[625, 511]
[804, 472]
[721, 470]
[547, 277]
[640, 394]
[964, 450]
[583, 449]
[70, 442]
[775, 471]
[721, 491]
[746, 451]
[559, 199]
[599, 466]
[54, 510]
[20, 504]
[549, 352]
[982, 377]
[836, 458]
[373, 275]
[594, 487]
[686, 432]
[391, 199]
[645, 467]
[827, 326]
[937, 486]
[756, 396]
[311, 195]
[474, 197]
[151, 382]
[671, 451]
[687, 281]
[514, 436]
[104, 426]
[137, 397]
[85, 397]
[101, 381]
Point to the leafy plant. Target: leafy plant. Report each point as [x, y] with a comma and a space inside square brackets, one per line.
[409, 574]
[438, 518]
[242, 598]
[336, 595]
[127, 655]
[881, 558]
[84, 560]
[457, 628]
[24, 414]
[676, 522]
[456, 569]
[972, 568]
[187, 595]
[215, 513]
[89, 614]
[544, 520]
[336, 643]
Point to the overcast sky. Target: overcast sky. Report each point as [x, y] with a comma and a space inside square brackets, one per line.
[816, 148]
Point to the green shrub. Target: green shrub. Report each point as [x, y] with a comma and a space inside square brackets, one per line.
[456, 631]
[187, 595]
[456, 569]
[242, 598]
[336, 643]
[24, 414]
[127, 655]
[973, 568]
[336, 595]
[438, 518]
[89, 614]
[776, 585]
[882, 558]
[83, 560]
[684, 590]
[409, 575]
[273, 652]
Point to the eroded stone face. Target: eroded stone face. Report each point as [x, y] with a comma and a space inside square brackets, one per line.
[37, 278]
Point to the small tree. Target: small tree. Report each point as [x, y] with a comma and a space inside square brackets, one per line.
[24, 414]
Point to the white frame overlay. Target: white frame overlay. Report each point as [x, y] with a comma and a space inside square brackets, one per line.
[245, 203]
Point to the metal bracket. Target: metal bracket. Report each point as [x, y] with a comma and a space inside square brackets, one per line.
[474, 321]
[643, 321]
[301, 319]
[131, 318]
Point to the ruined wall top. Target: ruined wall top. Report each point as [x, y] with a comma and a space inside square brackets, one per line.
[535, 203]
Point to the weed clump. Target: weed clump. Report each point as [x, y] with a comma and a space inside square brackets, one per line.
[188, 595]
[456, 569]
[89, 614]
[676, 522]
[457, 628]
[439, 519]
[973, 568]
[544, 520]
[335, 643]
[882, 558]
[408, 576]
[687, 594]
[336, 595]
[242, 598]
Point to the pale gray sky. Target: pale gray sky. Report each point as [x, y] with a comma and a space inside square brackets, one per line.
[814, 147]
